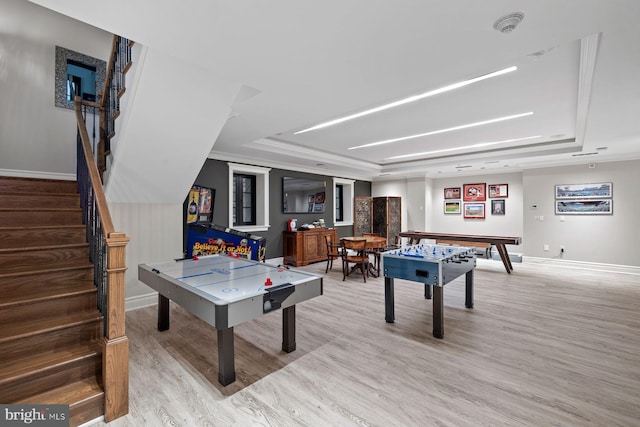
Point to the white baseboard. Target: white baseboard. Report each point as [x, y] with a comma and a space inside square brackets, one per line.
[613, 268]
[37, 174]
[140, 301]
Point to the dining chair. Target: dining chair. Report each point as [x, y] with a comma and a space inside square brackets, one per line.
[354, 256]
[333, 251]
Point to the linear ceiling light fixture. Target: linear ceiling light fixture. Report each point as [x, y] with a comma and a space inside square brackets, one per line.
[408, 100]
[467, 147]
[435, 132]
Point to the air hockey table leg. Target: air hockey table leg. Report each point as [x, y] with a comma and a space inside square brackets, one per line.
[438, 311]
[289, 329]
[163, 313]
[389, 310]
[226, 363]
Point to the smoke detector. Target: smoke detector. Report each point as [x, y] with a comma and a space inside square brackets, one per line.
[508, 23]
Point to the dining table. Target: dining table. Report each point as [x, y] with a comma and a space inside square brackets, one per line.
[374, 245]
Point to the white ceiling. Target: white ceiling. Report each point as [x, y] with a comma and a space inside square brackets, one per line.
[305, 62]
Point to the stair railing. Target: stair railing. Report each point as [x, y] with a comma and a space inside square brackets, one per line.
[107, 246]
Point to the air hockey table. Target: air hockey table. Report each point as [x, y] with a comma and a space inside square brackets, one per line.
[433, 265]
[225, 291]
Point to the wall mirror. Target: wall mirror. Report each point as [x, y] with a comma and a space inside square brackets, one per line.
[303, 195]
[77, 74]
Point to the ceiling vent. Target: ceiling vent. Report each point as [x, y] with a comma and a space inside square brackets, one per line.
[508, 23]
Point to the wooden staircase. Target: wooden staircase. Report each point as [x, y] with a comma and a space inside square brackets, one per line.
[50, 350]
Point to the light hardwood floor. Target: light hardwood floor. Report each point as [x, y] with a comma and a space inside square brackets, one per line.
[549, 345]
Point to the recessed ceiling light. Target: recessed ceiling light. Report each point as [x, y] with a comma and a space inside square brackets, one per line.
[466, 147]
[435, 132]
[408, 100]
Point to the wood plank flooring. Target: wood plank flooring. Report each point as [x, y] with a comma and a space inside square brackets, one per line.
[548, 345]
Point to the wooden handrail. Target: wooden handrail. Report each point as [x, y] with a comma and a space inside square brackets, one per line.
[96, 181]
[112, 59]
[115, 344]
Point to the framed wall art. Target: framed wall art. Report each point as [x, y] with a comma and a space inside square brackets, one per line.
[452, 193]
[497, 207]
[474, 210]
[498, 190]
[452, 206]
[600, 190]
[584, 207]
[474, 192]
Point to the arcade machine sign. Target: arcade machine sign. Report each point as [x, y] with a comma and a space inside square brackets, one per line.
[211, 239]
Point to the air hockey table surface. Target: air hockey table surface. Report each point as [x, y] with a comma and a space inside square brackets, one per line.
[225, 279]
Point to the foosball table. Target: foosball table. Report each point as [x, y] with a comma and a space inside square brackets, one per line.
[434, 266]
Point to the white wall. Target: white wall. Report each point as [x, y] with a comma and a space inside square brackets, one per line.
[609, 239]
[28, 37]
[155, 233]
[605, 239]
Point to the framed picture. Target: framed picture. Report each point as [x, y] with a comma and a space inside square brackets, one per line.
[452, 207]
[452, 193]
[497, 207]
[474, 192]
[584, 207]
[200, 203]
[205, 204]
[600, 190]
[498, 190]
[474, 210]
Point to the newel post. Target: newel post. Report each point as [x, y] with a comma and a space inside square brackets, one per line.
[115, 360]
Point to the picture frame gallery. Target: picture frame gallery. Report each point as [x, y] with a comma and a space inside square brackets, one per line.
[472, 195]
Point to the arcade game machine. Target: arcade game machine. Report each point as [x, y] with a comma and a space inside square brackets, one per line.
[205, 238]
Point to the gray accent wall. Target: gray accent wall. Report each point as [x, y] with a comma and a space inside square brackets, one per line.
[215, 174]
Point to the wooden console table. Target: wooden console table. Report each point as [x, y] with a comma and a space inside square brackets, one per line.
[498, 241]
[308, 246]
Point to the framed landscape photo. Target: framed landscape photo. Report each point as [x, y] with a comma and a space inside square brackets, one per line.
[474, 210]
[600, 190]
[497, 207]
[498, 190]
[452, 193]
[584, 207]
[474, 192]
[452, 207]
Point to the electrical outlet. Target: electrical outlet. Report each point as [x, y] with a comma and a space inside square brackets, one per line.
[546, 248]
[561, 249]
